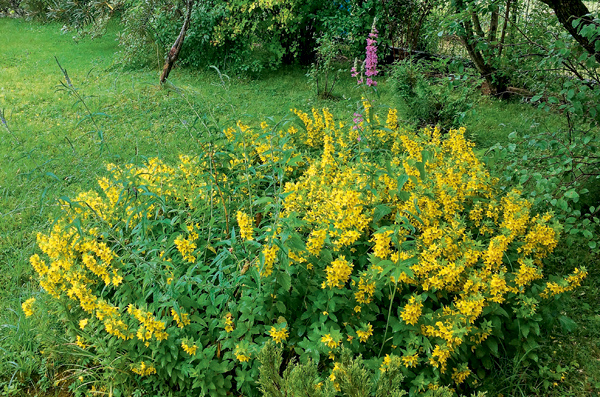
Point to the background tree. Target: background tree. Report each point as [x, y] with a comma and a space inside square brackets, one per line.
[569, 11]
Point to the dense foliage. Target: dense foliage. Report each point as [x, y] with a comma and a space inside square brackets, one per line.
[319, 236]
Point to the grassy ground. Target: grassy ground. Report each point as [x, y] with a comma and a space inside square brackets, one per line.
[56, 146]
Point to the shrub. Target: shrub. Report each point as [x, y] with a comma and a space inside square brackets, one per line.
[363, 236]
[443, 101]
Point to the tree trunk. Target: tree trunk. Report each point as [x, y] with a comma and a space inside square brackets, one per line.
[504, 27]
[477, 24]
[471, 35]
[567, 11]
[498, 84]
[493, 32]
[174, 53]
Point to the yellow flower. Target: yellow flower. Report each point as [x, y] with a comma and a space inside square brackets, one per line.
[186, 247]
[27, 307]
[412, 311]
[270, 254]
[410, 361]
[329, 341]
[279, 335]
[365, 291]
[382, 244]
[83, 323]
[459, 376]
[228, 322]
[182, 320]
[364, 335]
[241, 354]
[386, 363]
[191, 350]
[245, 224]
[338, 272]
[143, 369]
[316, 241]
[79, 342]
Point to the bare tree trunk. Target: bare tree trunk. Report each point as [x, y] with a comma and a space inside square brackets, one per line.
[567, 11]
[174, 53]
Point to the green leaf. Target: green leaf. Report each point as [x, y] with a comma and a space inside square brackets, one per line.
[572, 194]
[284, 280]
[492, 344]
[263, 200]
[280, 306]
[381, 211]
[567, 324]
[402, 179]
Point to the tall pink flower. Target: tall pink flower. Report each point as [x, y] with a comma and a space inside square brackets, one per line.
[371, 61]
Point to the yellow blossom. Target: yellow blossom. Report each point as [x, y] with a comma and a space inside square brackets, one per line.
[189, 349]
[412, 311]
[338, 272]
[329, 341]
[245, 224]
[279, 335]
[182, 320]
[27, 307]
[143, 369]
[364, 335]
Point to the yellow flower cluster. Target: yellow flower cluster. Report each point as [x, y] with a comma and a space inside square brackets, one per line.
[27, 307]
[241, 354]
[228, 322]
[382, 244]
[245, 224]
[186, 246]
[463, 230]
[316, 240]
[389, 361]
[270, 254]
[365, 292]
[410, 361]
[569, 284]
[143, 369]
[460, 375]
[330, 341]
[412, 311]
[448, 233]
[338, 273]
[189, 349]
[335, 372]
[80, 343]
[182, 320]
[77, 264]
[279, 335]
[364, 335]
[149, 325]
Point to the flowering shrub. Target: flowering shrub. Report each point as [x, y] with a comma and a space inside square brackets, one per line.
[321, 237]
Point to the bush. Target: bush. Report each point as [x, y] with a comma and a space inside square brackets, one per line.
[321, 237]
[443, 101]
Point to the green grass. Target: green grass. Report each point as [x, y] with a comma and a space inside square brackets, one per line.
[53, 149]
